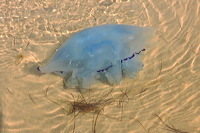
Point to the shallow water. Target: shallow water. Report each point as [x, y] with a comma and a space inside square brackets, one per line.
[165, 92]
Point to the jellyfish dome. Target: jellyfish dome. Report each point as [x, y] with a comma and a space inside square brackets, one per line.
[104, 53]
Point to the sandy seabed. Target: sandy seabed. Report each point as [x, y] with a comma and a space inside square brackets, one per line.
[164, 96]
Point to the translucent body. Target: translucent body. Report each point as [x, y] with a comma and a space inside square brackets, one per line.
[102, 53]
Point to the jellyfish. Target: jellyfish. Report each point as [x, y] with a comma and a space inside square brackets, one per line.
[104, 53]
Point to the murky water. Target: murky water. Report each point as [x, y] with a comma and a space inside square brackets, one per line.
[164, 97]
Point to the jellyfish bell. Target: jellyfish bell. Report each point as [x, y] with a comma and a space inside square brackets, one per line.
[105, 53]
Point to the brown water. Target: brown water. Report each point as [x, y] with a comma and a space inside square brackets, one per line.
[164, 97]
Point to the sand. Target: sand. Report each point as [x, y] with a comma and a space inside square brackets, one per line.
[164, 96]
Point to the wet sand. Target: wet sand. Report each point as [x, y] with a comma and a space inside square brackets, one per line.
[164, 96]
